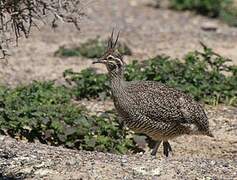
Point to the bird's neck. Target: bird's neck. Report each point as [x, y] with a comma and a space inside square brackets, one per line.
[117, 81]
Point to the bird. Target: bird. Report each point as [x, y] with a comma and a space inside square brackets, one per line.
[150, 107]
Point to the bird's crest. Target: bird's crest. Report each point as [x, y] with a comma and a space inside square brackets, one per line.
[111, 43]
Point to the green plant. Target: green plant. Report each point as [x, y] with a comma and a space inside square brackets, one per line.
[223, 9]
[87, 83]
[44, 111]
[93, 48]
[204, 75]
[229, 15]
[67, 52]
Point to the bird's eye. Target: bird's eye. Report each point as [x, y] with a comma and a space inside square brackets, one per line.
[109, 58]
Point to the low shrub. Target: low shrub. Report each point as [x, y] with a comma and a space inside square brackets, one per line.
[67, 52]
[88, 83]
[204, 75]
[222, 9]
[43, 111]
[93, 48]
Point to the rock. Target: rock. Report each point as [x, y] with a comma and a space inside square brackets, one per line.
[44, 172]
[144, 171]
[71, 162]
[209, 26]
[2, 138]
[27, 170]
[156, 172]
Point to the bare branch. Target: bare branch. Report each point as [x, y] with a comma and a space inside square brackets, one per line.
[19, 16]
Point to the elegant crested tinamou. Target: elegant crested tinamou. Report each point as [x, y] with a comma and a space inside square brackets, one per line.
[150, 107]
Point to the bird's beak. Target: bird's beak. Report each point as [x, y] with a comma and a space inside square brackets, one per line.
[103, 61]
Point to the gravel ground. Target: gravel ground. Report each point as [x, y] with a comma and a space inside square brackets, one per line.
[194, 157]
[148, 31]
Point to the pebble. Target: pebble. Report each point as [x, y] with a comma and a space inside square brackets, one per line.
[209, 26]
[43, 172]
[71, 162]
[27, 170]
[156, 172]
[124, 160]
[213, 163]
[2, 138]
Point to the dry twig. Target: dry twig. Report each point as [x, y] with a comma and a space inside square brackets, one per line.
[17, 17]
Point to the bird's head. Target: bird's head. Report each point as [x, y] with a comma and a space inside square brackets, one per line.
[112, 59]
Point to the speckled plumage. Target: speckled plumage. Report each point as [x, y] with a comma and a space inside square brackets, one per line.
[157, 110]
[153, 108]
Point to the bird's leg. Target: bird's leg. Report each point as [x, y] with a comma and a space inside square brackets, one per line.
[154, 151]
[167, 148]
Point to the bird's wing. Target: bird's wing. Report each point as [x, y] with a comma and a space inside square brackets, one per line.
[163, 103]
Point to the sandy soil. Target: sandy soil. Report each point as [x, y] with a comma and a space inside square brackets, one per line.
[148, 32]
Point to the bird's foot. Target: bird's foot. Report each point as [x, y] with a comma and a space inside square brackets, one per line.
[167, 148]
[155, 149]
